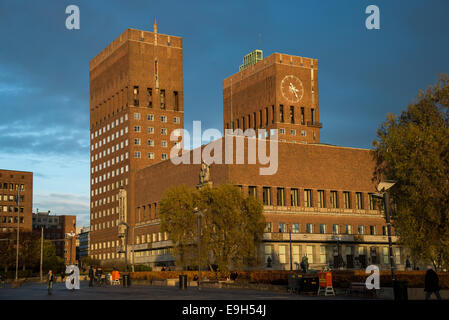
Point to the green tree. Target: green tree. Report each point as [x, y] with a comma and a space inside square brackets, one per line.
[413, 149]
[232, 225]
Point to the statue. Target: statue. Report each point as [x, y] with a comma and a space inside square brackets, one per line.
[269, 262]
[204, 173]
[305, 264]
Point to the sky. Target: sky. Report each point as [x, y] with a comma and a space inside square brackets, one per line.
[44, 70]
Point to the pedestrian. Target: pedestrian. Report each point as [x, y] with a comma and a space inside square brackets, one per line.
[431, 284]
[49, 282]
[408, 265]
[91, 277]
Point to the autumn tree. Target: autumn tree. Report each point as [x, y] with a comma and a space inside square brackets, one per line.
[232, 225]
[413, 149]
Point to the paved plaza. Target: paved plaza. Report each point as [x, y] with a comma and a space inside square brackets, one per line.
[37, 291]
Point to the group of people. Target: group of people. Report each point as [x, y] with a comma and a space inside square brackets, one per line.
[95, 275]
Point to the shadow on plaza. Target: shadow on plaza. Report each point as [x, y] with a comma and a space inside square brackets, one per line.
[38, 291]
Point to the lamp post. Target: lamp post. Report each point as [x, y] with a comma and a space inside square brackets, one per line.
[42, 251]
[199, 214]
[291, 256]
[383, 187]
[70, 235]
[18, 227]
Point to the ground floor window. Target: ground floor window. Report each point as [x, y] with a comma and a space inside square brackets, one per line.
[309, 253]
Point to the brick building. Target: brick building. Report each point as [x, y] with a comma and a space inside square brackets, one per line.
[57, 228]
[136, 92]
[320, 194]
[11, 182]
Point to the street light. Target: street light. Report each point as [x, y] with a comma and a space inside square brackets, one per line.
[70, 235]
[199, 214]
[384, 195]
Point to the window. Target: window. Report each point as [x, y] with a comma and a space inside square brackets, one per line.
[347, 200]
[309, 254]
[292, 114]
[296, 254]
[323, 254]
[335, 229]
[176, 102]
[293, 132]
[372, 203]
[150, 117]
[302, 115]
[268, 227]
[384, 230]
[334, 199]
[280, 197]
[282, 254]
[397, 255]
[136, 96]
[295, 228]
[294, 197]
[136, 128]
[360, 229]
[164, 156]
[372, 230]
[321, 199]
[322, 228]
[273, 113]
[163, 131]
[163, 118]
[303, 133]
[176, 120]
[266, 196]
[281, 113]
[150, 97]
[307, 198]
[266, 116]
[282, 228]
[309, 228]
[260, 118]
[252, 191]
[150, 130]
[359, 200]
[312, 118]
[385, 255]
[136, 116]
[268, 253]
[282, 131]
[348, 229]
[137, 141]
[164, 144]
[151, 155]
[162, 99]
[137, 154]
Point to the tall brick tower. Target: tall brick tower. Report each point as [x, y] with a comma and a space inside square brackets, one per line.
[136, 100]
[278, 92]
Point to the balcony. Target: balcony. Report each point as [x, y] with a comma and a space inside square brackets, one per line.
[314, 124]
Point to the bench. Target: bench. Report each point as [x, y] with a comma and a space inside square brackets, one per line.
[360, 288]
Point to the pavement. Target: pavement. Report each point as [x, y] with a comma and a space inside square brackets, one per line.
[38, 291]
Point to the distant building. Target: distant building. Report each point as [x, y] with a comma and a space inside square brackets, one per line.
[82, 246]
[57, 228]
[12, 182]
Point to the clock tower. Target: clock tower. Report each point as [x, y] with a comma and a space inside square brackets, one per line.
[278, 92]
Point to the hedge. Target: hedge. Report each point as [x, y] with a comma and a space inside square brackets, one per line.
[341, 278]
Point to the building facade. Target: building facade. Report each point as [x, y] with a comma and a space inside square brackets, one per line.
[136, 92]
[318, 204]
[59, 229]
[83, 243]
[13, 183]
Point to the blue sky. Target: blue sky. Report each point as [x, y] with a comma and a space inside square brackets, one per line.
[44, 70]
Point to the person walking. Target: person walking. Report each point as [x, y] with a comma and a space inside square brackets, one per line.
[50, 282]
[431, 283]
[91, 277]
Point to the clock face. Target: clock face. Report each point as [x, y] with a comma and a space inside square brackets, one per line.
[292, 89]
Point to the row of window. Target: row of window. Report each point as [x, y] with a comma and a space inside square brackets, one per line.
[112, 186]
[111, 162]
[145, 238]
[109, 175]
[150, 155]
[149, 97]
[323, 196]
[325, 254]
[115, 255]
[322, 228]
[150, 117]
[12, 186]
[250, 121]
[11, 198]
[108, 127]
[10, 219]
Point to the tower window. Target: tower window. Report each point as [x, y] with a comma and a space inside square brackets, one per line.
[176, 103]
[163, 99]
[281, 113]
[292, 114]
